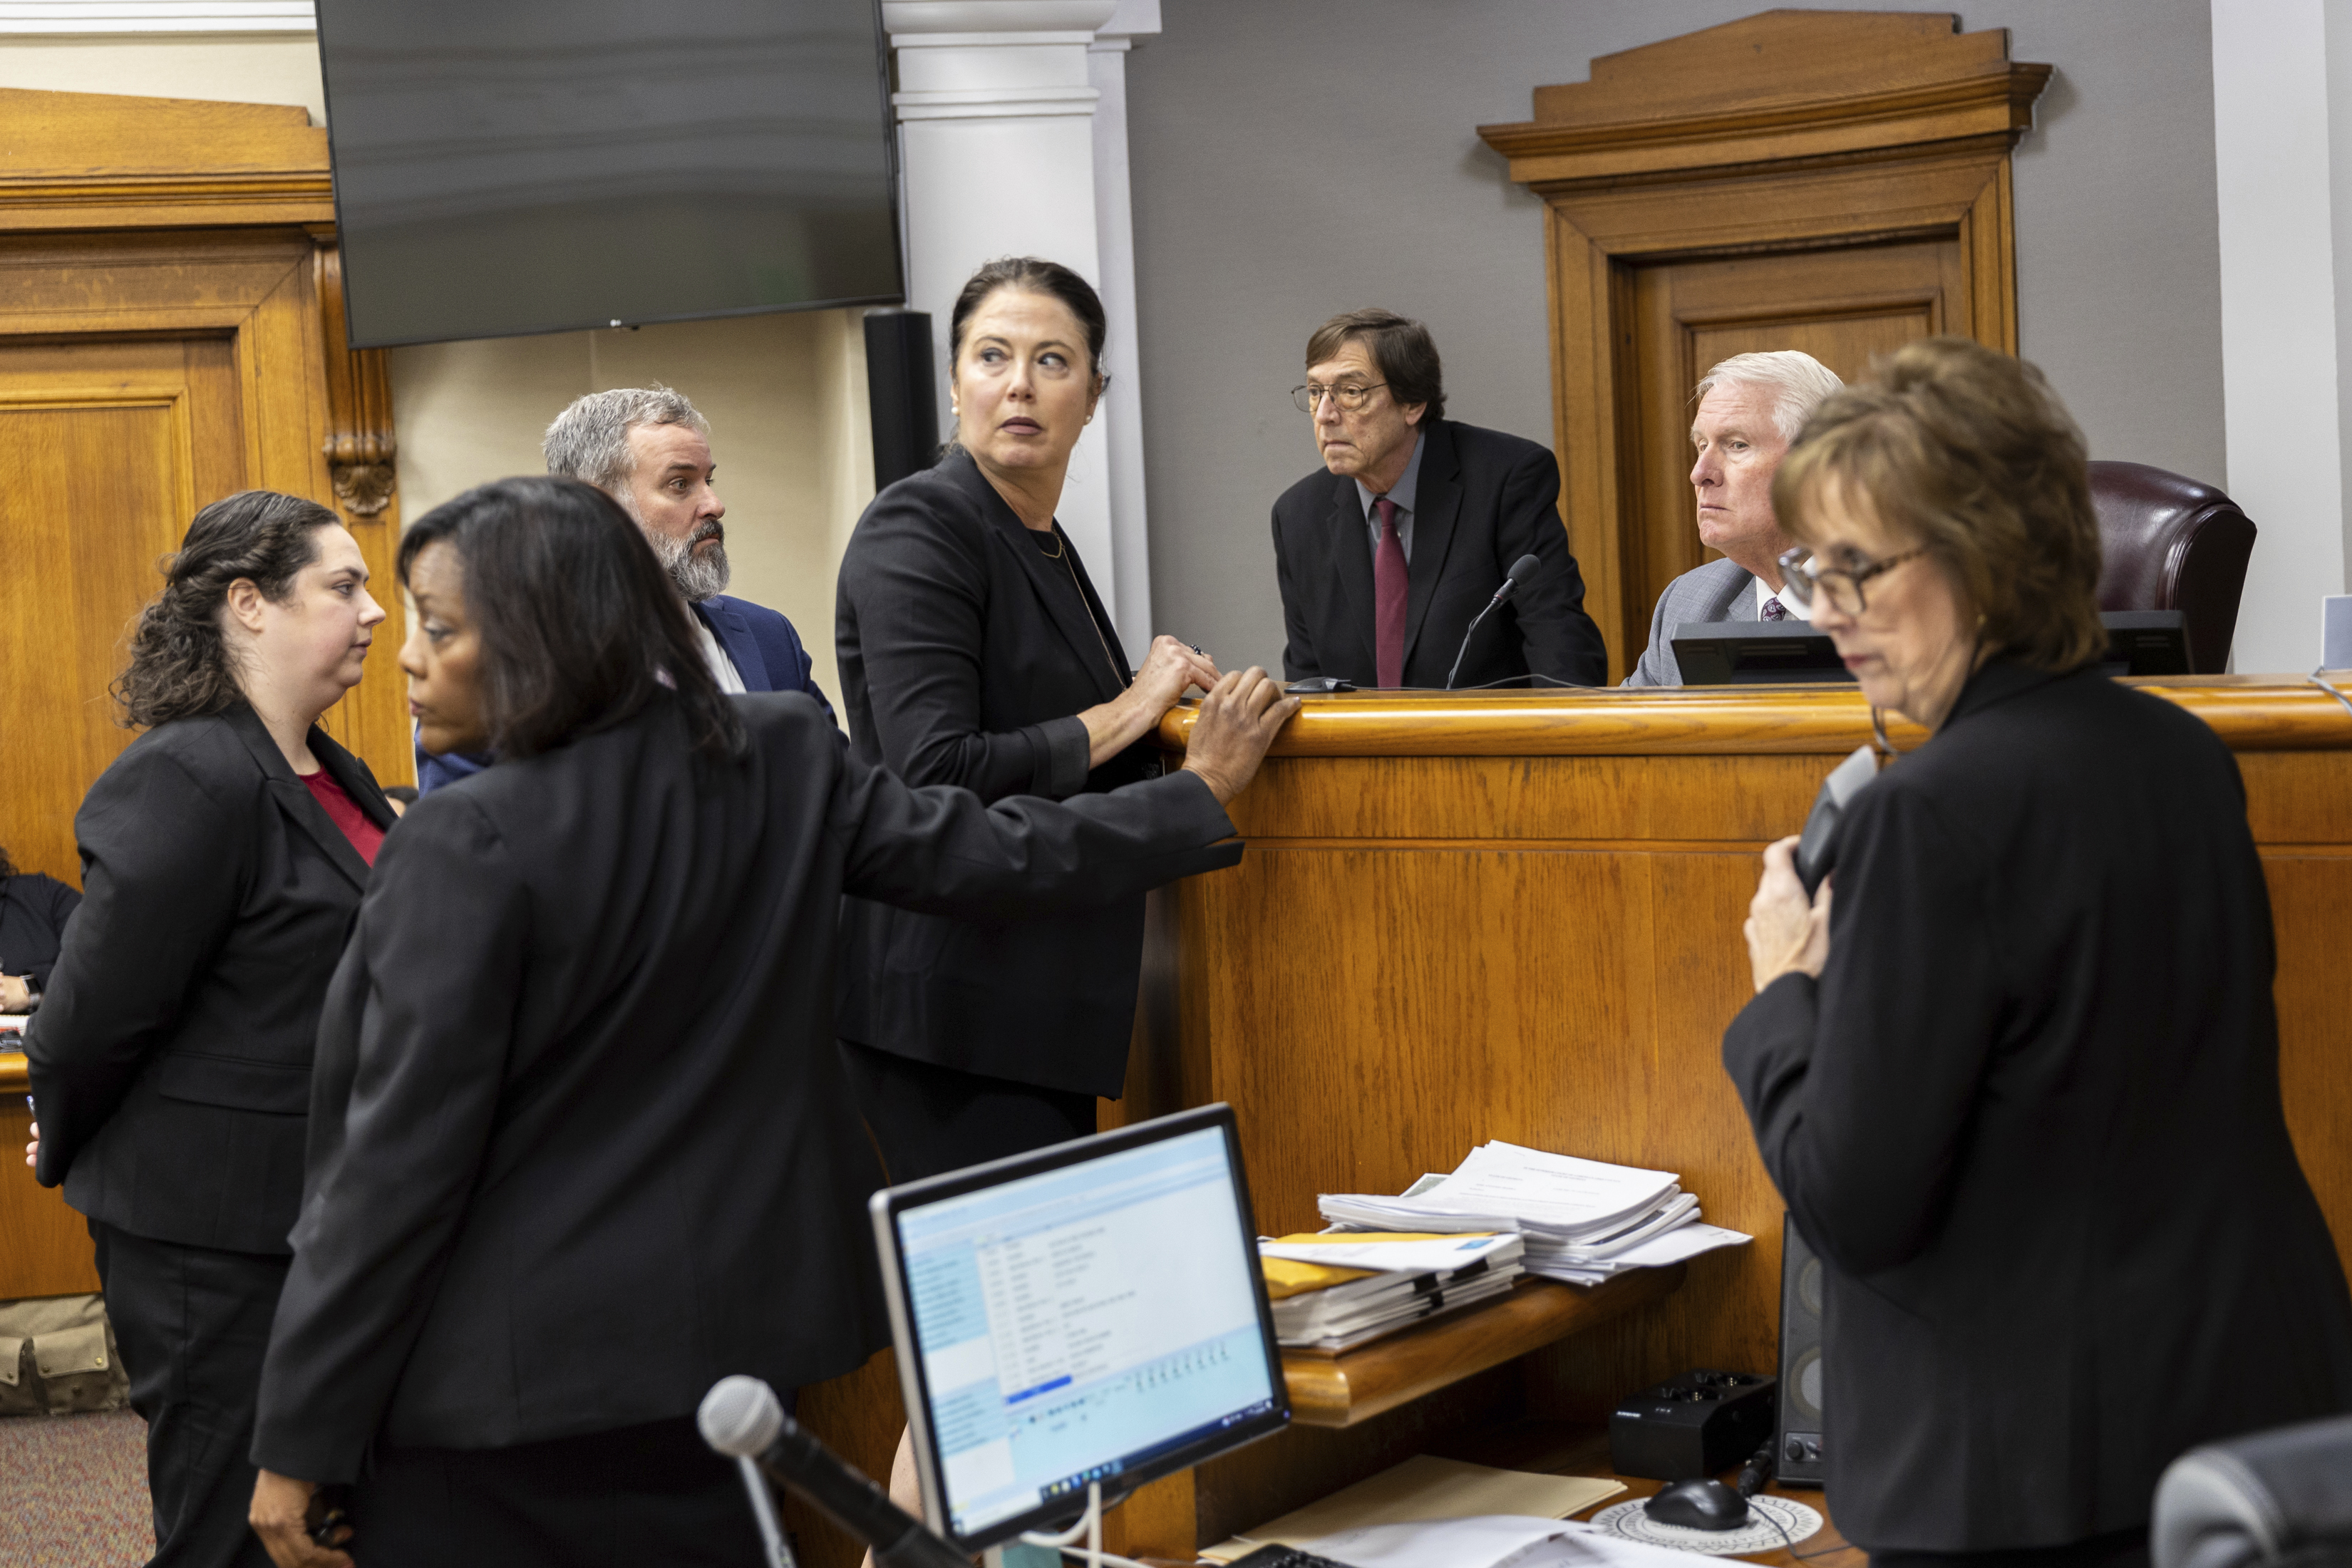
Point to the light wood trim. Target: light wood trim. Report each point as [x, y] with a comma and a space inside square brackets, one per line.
[1543, 154]
[108, 160]
[2251, 713]
[1342, 1390]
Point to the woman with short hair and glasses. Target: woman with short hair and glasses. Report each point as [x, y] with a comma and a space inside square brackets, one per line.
[2014, 1068]
[580, 1142]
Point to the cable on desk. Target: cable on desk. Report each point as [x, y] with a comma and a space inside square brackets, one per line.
[1825, 1551]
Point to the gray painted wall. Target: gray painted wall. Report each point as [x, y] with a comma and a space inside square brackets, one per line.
[1294, 158]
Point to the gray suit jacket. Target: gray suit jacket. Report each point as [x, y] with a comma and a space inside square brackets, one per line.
[1722, 590]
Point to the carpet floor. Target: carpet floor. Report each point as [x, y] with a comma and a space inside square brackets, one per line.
[76, 1491]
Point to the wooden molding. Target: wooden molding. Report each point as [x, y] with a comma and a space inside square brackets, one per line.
[2250, 712]
[1772, 88]
[359, 445]
[93, 159]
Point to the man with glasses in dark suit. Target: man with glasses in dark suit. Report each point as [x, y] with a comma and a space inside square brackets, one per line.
[1388, 554]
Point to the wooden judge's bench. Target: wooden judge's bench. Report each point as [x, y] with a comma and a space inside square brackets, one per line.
[1517, 916]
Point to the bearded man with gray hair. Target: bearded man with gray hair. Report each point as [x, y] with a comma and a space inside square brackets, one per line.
[649, 449]
[1750, 408]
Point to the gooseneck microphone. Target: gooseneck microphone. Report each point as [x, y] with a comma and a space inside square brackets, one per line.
[1521, 570]
[743, 1419]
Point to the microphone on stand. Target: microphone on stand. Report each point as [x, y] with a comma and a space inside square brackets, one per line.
[741, 1418]
[1521, 570]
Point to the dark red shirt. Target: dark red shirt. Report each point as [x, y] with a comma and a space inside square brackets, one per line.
[365, 835]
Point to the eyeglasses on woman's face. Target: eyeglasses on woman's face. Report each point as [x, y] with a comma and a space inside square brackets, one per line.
[1350, 396]
[1841, 586]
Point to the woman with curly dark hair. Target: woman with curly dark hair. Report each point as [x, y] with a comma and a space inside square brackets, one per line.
[222, 856]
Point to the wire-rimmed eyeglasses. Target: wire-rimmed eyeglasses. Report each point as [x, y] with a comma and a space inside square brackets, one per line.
[1349, 398]
[1841, 586]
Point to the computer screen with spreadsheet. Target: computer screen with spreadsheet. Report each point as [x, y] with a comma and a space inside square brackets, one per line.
[1090, 1312]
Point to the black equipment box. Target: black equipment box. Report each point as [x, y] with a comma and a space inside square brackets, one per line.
[1698, 1425]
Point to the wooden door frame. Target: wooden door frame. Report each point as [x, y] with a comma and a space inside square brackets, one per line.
[194, 219]
[1898, 128]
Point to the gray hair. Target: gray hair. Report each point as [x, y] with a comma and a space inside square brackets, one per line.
[1797, 382]
[590, 441]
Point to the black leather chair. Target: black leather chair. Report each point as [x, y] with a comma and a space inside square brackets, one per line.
[2282, 1497]
[2171, 543]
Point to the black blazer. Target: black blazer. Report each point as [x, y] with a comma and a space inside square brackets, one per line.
[581, 1139]
[171, 1056]
[1483, 500]
[34, 910]
[2030, 1117]
[966, 653]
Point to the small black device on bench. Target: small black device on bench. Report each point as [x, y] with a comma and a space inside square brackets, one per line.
[1700, 1424]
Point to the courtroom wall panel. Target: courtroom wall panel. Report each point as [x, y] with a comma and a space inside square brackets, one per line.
[1285, 168]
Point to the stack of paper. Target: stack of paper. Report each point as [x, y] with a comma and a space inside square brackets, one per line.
[1580, 1220]
[1334, 1292]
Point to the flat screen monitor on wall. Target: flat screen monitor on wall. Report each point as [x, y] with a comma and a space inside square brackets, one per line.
[544, 165]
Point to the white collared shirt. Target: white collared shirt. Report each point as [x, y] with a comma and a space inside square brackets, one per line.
[722, 668]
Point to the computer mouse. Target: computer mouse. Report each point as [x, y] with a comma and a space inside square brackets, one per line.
[1698, 1505]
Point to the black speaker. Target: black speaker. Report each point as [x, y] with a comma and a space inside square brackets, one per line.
[899, 394]
[1798, 1443]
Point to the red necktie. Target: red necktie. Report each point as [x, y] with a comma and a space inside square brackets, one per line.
[1388, 597]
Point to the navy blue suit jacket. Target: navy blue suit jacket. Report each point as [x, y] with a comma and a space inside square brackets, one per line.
[765, 650]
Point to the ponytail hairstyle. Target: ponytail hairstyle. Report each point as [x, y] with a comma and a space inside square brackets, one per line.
[182, 666]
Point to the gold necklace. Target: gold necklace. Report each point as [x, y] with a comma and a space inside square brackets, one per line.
[1059, 549]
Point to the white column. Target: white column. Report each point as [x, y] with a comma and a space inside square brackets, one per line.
[996, 120]
[1122, 414]
[2279, 326]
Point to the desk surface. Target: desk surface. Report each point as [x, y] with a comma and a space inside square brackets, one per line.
[1563, 1448]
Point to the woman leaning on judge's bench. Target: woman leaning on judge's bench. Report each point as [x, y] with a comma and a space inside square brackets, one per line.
[974, 651]
[582, 1143]
[223, 854]
[2015, 1067]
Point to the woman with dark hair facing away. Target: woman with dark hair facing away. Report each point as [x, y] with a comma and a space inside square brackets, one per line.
[582, 1141]
[223, 856]
[2014, 1068]
[34, 909]
[974, 651]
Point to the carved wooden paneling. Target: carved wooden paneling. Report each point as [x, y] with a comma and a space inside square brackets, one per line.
[1793, 135]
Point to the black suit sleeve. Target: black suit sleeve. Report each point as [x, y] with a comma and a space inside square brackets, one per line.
[1561, 640]
[1860, 1087]
[161, 886]
[1299, 660]
[417, 1064]
[916, 584]
[941, 851]
[56, 904]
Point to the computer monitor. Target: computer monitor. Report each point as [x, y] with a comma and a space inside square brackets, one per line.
[2146, 642]
[1092, 1311]
[1756, 653]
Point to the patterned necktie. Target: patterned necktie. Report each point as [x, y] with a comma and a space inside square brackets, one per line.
[1774, 610]
[1388, 597]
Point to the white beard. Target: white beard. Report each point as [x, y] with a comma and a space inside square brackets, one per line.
[698, 573]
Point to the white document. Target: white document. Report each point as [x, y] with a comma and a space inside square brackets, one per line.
[1490, 1541]
[1685, 1241]
[1503, 1185]
[1399, 1256]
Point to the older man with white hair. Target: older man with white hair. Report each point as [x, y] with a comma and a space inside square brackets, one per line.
[649, 449]
[1750, 408]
